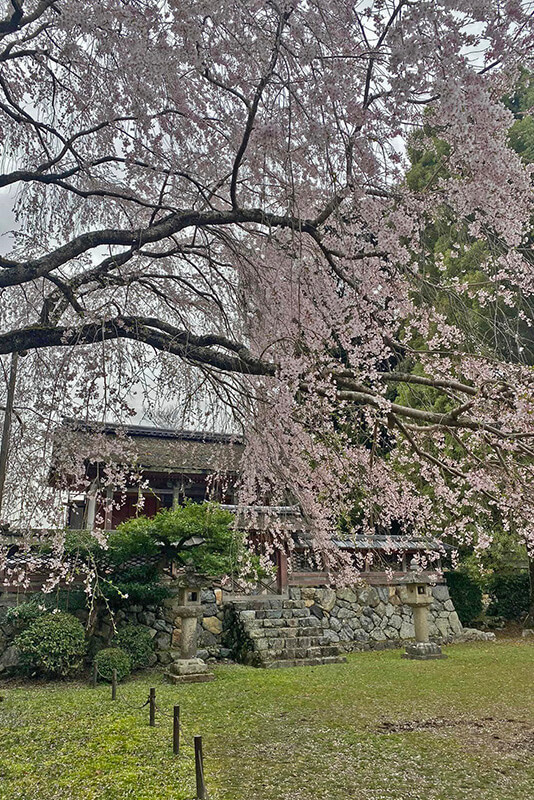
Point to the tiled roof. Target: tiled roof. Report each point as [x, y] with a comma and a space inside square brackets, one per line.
[147, 431]
[393, 543]
[386, 543]
[158, 448]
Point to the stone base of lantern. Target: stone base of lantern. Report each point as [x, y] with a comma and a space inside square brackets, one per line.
[189, 670]
[423, 651]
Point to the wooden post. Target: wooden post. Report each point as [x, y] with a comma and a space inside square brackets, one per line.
[152, 707]
[281, 572]
[108, 509]
[176, 730]
[95, 675]
[114, 685]
[199, 770]
[90, 505]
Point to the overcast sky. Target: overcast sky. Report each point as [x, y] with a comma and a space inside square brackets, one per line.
[7, 220]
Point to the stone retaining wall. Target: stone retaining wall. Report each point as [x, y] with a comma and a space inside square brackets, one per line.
[371, 617]
[160, 622]
[359, 618]
[164, 626]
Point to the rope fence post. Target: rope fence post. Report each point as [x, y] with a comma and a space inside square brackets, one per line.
[152, 707]
[199, 770]
[114, 685]
[176, 731]
[95, 675]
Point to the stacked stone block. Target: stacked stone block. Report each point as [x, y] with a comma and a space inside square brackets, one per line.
[274, 632]
[318, 625]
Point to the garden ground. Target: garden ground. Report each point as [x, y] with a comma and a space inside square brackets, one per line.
[377, 727]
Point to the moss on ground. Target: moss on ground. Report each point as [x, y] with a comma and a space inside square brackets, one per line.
[376, 728]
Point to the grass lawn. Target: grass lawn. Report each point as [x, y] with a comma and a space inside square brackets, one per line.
[378, 727]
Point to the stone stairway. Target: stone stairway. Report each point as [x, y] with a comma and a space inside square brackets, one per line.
[271, 631]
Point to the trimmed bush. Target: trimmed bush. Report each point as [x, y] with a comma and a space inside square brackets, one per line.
[466, 595]
[26, 613]
[137, 642]
[509, 595]
[53, 645]
[111, 658]
[122, 593]
[135, 585]
[40, 604]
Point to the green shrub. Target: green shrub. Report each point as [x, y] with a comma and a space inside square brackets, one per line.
[39, 604]
[135, 585]
[466, 595]
[137, 642]
[81, 544]
[125, 593]
[111, 658]
[509, 595]
[25, 613]
[53, 645]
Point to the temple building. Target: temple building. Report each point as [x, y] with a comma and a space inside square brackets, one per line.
[173, 466]
[170, 467]
[297, 615]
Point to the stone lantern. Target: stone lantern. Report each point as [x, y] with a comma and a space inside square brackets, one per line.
[186, 607]
[415, 591]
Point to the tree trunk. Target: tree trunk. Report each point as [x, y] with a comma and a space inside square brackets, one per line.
[6, 431]
[529, 622]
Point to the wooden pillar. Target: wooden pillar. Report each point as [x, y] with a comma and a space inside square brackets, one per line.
[281, 571]
[108, 509]
[91, 506]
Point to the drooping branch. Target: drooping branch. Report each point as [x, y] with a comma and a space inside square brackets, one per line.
[253, 108]
[209, 349]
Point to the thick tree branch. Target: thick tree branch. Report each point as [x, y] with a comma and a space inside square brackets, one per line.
[346, 379]
[449, 420]
[206, 349]
[15, 273]
[17, 20]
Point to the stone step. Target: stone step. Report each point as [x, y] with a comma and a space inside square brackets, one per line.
[294, 622]
[265, 603]
[325, 650]
[303, 662]
[274, 613]
[285, 633]
[268, 624]
[293, 641]
[286, 644]
[300, 652]
[295, 604]
[257, 602]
